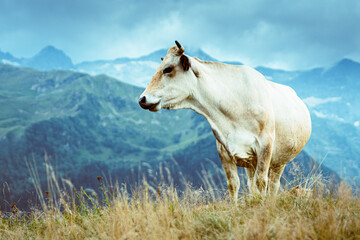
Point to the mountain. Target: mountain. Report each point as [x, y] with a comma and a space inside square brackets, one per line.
[278, 75]
[88, 126]
[7, 58]
[49, 58]
[344, 72]
[135, 71]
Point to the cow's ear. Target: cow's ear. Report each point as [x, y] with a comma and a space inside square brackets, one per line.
[185, 63]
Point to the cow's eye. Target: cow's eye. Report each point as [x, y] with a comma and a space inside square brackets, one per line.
[168, 70]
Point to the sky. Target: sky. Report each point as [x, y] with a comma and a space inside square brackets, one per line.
[291, 35]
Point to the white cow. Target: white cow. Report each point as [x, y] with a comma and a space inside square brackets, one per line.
[258, 124]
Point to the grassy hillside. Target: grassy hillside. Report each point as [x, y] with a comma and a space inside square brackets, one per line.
[196, 214]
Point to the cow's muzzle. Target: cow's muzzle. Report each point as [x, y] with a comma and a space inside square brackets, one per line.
[145, 104]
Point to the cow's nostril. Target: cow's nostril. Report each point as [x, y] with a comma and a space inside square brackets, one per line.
[148, 104]
[142, 100]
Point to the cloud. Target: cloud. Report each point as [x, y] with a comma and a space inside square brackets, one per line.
[293, 35]
[328, 116]
[314, 101]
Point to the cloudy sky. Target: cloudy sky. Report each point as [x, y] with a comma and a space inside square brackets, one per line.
[283, 34]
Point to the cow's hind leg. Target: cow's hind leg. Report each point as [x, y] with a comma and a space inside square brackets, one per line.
[275, 173]
[264, 153]
[233, 181]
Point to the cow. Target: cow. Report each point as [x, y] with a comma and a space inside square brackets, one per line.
[258, 124]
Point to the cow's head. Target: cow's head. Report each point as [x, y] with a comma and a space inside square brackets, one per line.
[172, 84]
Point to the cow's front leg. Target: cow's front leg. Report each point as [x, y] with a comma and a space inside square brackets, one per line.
[229, 165]
[264, 153]
[233, 181]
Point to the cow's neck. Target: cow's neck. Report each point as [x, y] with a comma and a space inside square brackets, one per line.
[211, 99]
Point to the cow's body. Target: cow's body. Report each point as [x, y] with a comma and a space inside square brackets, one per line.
[258, 124]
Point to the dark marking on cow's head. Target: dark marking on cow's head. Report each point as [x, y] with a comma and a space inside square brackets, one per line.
[169, 71]
[185, 63]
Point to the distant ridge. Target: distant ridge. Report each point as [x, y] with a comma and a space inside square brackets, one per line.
[7, 56]
[138, 71]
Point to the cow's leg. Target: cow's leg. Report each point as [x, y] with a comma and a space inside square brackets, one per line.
[233, 181]
[250, 172]
[262, 167]
[275, 173]
[229, 165]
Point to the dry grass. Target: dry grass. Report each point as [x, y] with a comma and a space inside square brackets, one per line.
[163, 214]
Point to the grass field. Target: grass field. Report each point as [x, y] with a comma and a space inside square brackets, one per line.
[162, 213]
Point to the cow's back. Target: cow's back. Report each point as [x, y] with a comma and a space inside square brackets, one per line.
[248, 98]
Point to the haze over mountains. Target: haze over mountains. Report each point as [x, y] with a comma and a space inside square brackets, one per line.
[135, 71]
[88, 124]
